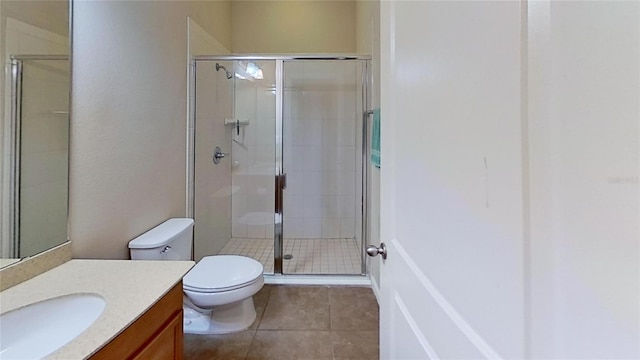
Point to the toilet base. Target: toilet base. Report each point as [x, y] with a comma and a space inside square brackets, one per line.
[222, 319]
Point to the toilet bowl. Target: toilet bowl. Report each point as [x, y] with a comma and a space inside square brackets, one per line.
[221, 304]
[218, 290]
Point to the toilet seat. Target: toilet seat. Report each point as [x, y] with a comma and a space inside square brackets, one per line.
[220, 273]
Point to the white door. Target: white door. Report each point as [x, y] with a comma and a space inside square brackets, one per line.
[451, 202]
[509, 180]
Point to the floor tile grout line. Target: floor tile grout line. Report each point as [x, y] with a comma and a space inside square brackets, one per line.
[246, 355]
[329, 303]
[333, 350]
[328, 256]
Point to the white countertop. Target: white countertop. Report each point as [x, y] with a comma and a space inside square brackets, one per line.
[128, 287]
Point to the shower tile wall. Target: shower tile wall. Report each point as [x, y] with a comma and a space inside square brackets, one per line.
[320, 150]
[253, 167]
[213, 188]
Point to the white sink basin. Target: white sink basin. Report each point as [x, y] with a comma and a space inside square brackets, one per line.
[36, 330]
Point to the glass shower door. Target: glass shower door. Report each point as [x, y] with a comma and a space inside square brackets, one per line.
[322, 156]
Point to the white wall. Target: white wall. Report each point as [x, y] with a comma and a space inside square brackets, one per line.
[584, 146]
[128, 132]
[534, 252]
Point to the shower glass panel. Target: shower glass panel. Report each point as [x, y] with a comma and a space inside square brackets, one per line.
[212, 189]
[253, 158]
[234, 200]
[37, 165]
[322, 156]
[287, 187]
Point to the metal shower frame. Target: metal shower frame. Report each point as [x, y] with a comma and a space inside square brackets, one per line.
[279, 166]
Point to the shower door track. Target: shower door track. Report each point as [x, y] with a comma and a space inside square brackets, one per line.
[281, 57]
[280, 176]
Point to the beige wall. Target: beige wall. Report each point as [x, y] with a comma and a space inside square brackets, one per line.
[367, 16]
[128, 131]
[290, 27]
[129, 100]
[215, 18]
[51, 15]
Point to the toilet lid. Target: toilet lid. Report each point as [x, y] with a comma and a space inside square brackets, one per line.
[221, 273]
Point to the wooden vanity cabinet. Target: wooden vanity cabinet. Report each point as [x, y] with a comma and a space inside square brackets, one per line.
[156, 335]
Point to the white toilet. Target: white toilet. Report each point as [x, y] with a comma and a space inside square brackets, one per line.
[219, 289]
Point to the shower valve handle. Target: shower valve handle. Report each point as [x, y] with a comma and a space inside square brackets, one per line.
[218, 154]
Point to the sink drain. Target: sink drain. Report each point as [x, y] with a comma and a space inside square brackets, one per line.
[287, 257]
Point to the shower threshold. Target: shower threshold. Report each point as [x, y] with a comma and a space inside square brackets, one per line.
[296, 279]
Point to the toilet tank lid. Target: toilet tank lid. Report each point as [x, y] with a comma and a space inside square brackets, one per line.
[161, 234]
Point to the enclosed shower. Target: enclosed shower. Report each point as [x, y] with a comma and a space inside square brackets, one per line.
[278, 150]
[35, 155]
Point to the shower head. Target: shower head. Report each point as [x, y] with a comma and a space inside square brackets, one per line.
[229, 74]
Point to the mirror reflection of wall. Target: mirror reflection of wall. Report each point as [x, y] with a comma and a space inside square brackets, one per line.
[34, 47]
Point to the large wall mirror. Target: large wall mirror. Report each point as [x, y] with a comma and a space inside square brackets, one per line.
[34, 47]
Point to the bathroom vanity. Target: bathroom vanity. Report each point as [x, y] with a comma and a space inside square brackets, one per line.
[142, 317]
[157, 334]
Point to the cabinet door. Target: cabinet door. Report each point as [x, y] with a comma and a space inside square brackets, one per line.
[159, 327]
[167, 344]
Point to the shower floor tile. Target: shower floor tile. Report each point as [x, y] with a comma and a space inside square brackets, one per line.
[309, 256]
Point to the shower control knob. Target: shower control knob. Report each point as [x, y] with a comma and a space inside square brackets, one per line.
[218, 154]
[373, 250]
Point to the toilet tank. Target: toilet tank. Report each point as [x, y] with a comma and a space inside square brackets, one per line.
[171, 240]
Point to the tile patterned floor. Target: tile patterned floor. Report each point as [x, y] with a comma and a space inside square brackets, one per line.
[310, 256]
[299, 323]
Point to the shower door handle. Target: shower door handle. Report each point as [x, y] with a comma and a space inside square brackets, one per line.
[282, 181]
